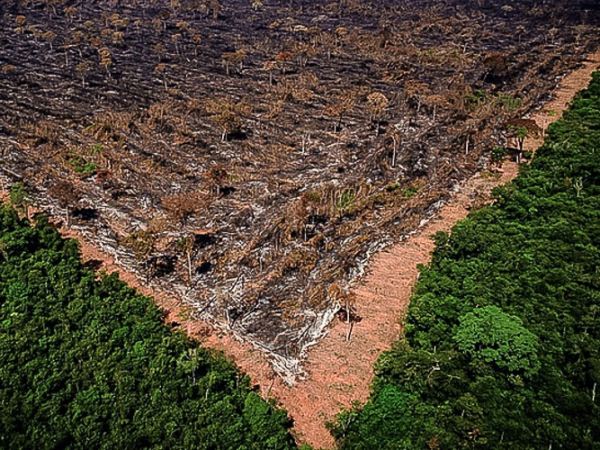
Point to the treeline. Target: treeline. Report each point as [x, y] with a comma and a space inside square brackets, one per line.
[86, 362]
[502, 336]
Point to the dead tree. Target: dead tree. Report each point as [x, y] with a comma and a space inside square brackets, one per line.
[227, 115]
[235, 59]
[215, 177]
[496, 66]
[187, 246]
[377, 104]
[67, 196]
[283, 59]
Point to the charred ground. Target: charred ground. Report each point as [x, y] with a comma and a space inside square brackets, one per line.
[251, 156]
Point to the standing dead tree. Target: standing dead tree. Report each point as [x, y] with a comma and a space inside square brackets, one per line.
[496, 66]
[82, 69]
[227, 115]
[283, 59]
[347, 301]
[215, 177]
[377, 104]
[416, 92]
[343, 106]
[234, 60]
[186, 245]
[106, 59]
[395, 136]
[67, 196]
[269, 66]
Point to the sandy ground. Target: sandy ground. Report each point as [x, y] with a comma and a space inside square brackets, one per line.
[340, 371]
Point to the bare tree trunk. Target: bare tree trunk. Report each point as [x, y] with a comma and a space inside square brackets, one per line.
[207, 389]
[270, 388]
[305, 138]
[349, 331]
[520, 154]
[394, 152]
[348, 321]
[228, 319]
[347, 311]
[189, 261]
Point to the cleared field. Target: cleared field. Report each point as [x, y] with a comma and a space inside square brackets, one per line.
[251, 156]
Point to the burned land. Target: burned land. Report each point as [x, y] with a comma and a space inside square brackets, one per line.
[250, 156]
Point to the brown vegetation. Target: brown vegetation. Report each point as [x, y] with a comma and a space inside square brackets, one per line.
[305, 138]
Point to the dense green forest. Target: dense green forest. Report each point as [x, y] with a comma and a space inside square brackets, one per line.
[502, 337]
[86, 362]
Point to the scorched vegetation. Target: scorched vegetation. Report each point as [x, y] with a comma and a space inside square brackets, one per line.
[251, 155]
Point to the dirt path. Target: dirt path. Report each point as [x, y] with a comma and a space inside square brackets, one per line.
[340, 371]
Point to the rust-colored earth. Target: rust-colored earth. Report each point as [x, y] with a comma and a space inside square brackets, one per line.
[340, 370]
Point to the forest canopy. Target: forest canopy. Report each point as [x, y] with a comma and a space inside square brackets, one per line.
[502, 335]
[88, 363]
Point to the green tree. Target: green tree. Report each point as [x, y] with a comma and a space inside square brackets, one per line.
[502, 334]
[19, 198]
[493, 336]
[88, 363]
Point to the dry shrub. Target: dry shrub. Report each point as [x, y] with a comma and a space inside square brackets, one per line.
[180, 207]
